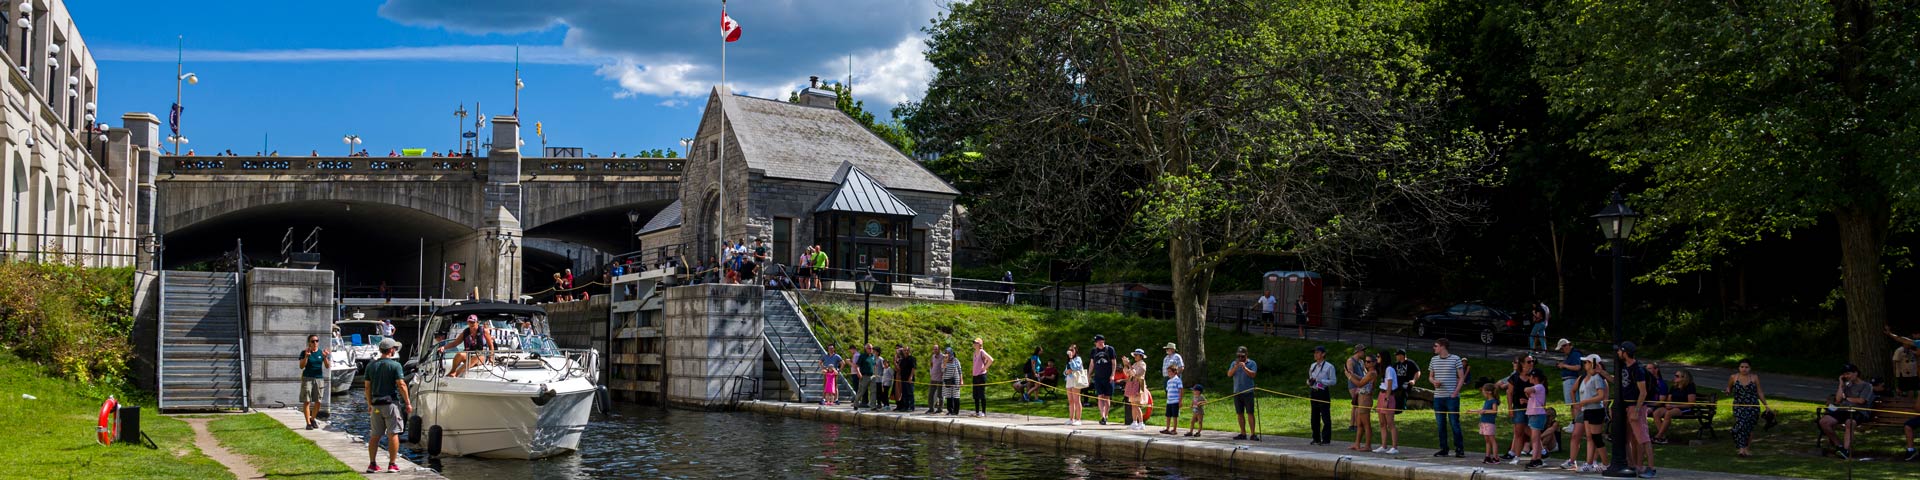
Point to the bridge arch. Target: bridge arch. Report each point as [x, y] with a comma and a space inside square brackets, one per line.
[186, 204]
[365, 242]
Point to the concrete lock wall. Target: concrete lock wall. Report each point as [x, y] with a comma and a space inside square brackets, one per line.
[713, 340]
[283, 307]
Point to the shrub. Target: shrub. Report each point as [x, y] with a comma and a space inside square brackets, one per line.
[74, 319]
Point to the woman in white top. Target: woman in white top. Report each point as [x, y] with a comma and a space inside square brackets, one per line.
[1389, 433]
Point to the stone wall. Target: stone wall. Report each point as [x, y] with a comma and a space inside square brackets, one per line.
[713, 337]
[283, 307]
[700, 183]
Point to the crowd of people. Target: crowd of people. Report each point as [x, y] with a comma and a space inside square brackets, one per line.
[739, 264]
[1378, 387]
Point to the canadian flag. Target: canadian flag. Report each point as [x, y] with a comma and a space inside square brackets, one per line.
[729, 29]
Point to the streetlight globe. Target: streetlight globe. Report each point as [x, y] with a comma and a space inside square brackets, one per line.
[26, 7]
[90, 106]
[53, 49]
[24, 23]
[1617, 219]
[89, 118]
[72, 80]
[190, 78]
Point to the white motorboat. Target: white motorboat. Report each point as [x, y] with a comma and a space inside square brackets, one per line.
[360, 339]
[529, 399]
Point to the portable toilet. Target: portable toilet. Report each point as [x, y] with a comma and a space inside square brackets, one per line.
[1291, 286]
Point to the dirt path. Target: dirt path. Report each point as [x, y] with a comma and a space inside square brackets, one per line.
[212, 448]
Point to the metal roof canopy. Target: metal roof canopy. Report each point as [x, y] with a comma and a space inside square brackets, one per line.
[860, 193]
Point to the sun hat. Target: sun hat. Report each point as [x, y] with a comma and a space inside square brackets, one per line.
[1170, 346]
[1563, 342]
[1139, 352]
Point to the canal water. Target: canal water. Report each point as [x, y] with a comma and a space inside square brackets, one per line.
[651, 442]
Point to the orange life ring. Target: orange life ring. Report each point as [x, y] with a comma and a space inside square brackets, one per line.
[109, 420]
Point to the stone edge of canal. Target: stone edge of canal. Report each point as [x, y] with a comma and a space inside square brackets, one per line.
[1119, 444]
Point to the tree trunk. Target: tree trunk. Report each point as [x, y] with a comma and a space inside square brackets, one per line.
[1863, 238]
[1558, 245]
[1191, 284]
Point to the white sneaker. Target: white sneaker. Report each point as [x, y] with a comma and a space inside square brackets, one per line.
[1379, 449]
[1568, 465]
[1516, 461]
[1393, 451]
[1568, 429]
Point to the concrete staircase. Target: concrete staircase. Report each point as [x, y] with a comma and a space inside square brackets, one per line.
[794, 349]
[202, 346]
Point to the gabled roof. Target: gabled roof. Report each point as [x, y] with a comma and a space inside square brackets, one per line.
[668, 217]
[860, 193]
[800, 142]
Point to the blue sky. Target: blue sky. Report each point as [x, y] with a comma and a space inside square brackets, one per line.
[606, 75]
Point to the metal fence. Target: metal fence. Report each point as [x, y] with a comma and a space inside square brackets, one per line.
[90, 250]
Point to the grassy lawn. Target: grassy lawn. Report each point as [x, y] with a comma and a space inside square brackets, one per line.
[53, 435]
[275, 450]
[1012, 332]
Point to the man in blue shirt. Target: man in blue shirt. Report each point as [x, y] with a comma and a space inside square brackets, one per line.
[1243, 371]
[313, 379]
[1570, 369]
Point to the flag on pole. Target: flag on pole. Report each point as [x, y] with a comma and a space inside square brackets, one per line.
[173, 119]
[729, 29]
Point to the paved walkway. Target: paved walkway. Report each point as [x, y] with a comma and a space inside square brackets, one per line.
[1276, 455]
[1777, 385]
[350, 449]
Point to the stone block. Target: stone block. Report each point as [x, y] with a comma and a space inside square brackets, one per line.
[289, 319]
[278, 295]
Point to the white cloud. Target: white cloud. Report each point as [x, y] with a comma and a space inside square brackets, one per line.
[673, 103]
[892, 75]
[660, 80]
[539, 54]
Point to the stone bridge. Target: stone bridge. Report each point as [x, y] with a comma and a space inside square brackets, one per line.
[400, 220]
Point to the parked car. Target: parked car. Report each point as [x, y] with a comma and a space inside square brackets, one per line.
[1486, 323]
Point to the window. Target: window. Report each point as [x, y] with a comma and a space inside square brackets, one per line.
[783, 241]
[916, 253]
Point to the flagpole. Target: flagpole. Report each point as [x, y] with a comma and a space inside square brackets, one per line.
[516, 80]
[720, 240]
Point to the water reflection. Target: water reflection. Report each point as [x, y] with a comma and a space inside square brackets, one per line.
[650, 442]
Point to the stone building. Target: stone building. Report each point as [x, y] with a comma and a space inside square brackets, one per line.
[67, 181]
[800, 174]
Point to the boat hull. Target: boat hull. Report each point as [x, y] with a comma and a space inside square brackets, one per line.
[491, 419]
[341, 381]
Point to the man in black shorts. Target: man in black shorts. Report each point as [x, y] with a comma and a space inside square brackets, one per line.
[1242, 371]
[1851, 393]
[1103, 356]
[806, 269]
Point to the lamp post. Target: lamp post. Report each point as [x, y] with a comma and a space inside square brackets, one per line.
[460, 123]
[351, 140]
[1616, 224]
[181, 75]
[26, 23]
[865, 285]
[633, 220]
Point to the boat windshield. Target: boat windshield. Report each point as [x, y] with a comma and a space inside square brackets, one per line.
[509, 332]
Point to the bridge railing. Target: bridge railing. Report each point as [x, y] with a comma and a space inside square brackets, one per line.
[601, 166]
[533, 167]
[317, 165]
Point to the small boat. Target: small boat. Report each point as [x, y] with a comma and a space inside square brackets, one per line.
[361, 338]
[529, 400]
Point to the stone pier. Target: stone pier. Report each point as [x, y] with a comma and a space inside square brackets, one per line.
[1275, 456]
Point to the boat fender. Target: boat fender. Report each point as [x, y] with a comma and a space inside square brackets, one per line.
[546, 395]
[433, 441]
[108, 419]
[602, 399]
[413, 429]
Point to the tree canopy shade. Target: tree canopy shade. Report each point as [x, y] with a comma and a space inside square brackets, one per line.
[1213, 130]
[1753, 119]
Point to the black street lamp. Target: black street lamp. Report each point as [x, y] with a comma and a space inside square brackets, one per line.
[1616, 224]
[865, 286]
[633, 220]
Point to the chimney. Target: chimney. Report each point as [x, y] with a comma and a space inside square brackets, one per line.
[814, 96]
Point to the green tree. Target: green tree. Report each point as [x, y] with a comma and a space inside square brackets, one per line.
[1752, 120]
[1210, 130]
[891, 132]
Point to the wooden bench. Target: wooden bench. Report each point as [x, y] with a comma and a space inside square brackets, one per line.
[1894, 415]
[1703, 413]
